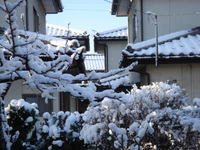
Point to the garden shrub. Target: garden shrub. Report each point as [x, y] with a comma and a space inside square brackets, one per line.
[21, 117]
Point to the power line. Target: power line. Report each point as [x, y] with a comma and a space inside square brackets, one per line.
[82, 9]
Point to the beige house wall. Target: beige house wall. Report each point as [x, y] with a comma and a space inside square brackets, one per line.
[187, 75]
[173, 15]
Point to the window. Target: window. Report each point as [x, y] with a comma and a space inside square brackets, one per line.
[42, 105]
[36, 20]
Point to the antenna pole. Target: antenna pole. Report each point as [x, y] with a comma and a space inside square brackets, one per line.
[156, 35]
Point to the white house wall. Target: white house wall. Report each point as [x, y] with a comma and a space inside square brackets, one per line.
[114, 53]
[42, 16]
[20, 10]
[31, 4]
[187, 75]
[173, 15]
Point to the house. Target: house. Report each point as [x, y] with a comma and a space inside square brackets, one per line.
[178, 60]
[69, 33]
[110, 43]
[175, 55]
[34, 14]
[172, 16]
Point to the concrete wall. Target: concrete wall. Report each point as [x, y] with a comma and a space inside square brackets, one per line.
[187, 75]
[173, 15]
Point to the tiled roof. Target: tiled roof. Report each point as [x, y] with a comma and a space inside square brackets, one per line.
[46, 38]
[176, 45]
[119, 33]
[59, 31]
[94, 62]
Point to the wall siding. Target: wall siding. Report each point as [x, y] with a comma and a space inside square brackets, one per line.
[187, 75]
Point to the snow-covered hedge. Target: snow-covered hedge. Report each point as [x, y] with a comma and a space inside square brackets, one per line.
[153, 117]
[61, 131]
[21, 117]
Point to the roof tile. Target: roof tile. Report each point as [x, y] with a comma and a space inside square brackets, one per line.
[179, 44]
[94, 62]
[120, 32]
[58, 31]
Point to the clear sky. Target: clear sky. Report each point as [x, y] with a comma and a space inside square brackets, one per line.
[87, 15]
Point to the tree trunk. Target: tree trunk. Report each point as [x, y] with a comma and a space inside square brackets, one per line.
[3, 121]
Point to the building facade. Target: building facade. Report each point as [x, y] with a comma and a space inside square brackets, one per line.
[170, 53]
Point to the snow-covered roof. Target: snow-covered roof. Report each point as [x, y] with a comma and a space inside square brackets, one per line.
[58, 31]
[94, 62]
[182, 44]
[117, 33]
[46, 38]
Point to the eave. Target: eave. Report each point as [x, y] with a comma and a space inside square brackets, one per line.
[52, 6]
[120, 7]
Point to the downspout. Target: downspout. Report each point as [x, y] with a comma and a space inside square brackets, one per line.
[191, 82]
[26, 12]
[106, 57]
[141, 22]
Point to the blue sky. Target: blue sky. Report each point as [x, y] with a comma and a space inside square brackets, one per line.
[87, 15]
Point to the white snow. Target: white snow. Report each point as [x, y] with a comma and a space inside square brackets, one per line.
[196, 101]
[58, 143]
[46, 115]
[21, 103]
[29, 119]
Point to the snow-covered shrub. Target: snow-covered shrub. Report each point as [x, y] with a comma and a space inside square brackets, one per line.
[126, 123]
[61, 131]
[21, 117]
[174, 128]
